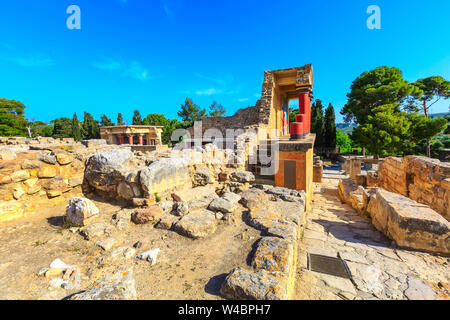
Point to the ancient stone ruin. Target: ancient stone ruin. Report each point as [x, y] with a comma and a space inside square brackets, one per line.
[408, 199]
[229, 212]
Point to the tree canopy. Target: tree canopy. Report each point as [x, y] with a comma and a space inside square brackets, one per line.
[105, 121]
[12, 118]
[216, 110]
[137, 119]
[317, 123]
[190, 112]
[330, 127]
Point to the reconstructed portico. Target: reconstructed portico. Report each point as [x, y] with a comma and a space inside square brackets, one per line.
[132, 135]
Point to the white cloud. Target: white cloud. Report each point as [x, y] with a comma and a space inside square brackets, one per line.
[32, 61]
[243, 99]
[133, 69]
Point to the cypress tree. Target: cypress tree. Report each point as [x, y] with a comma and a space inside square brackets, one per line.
[317, 123]
[76, 133]
[330, 127]
[137, 119]
[120, 120]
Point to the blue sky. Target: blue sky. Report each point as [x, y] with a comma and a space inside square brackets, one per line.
[150, 55]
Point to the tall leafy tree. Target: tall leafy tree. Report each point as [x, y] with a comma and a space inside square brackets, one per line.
[343, 141]
[374, 103]
[12, 118]
[76, 131]
[155, 119]
[120, 121]
[330, 127]
[137, 119]
[62, 128]
[105, 121]
[90, 128]
[216, 110]
[190, 112]
[317, 122]
[433, 89]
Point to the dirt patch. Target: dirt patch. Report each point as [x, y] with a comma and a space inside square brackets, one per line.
[186, 268]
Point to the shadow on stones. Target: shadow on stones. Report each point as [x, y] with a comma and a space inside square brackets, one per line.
[251, 254]
[214, 284]
[57, 221]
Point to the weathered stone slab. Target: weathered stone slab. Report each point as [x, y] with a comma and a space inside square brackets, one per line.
[197, 224]
[191, 194]
[253, 198]
[164, 174]
[409, 223]
[202, 176]
[119, 286]
[146, 215]
[274, 254]
[222, 205]
[345, 187]
[79, 210]
[243, 284]
[242, 176]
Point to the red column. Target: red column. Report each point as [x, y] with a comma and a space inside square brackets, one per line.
[141, 139]
[130, 139]
[305, 108]
[302, 124]
[120, 139]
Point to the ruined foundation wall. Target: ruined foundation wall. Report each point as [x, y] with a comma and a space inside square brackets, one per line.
[422, 179]
[37, 172]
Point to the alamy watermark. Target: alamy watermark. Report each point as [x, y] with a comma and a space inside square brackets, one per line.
[374, 20]
[74, 20]
[237, 147]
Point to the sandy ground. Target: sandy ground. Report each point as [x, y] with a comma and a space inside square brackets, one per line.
[186, 269]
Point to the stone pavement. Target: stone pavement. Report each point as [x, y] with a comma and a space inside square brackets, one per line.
[379, 269]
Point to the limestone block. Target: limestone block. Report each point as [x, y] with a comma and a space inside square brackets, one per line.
[345, 187]
[274, 254]
[243, 284]
[197, 224]
[79, 210]
[119, 286]
[409, 223]
[164, 175]
[253, 198]
[167, 222]
[47, 172]
[10, 210]
[202, 176]
[64, 158]
[20, 175]
[146, 215]
[242, 176]
[190, 194]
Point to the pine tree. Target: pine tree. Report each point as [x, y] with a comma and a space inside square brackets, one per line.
[76, 133]
[216, 110]
[120, 120]
[137, 119]
[330, 127]
[190, 112]
[317, 123]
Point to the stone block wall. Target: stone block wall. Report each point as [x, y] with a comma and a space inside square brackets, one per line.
[421, 179]
[34, 172]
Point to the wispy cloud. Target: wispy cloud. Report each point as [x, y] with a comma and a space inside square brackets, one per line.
[27, 59]
[222, 86]
[30, 61]
[132, 69]
[243, 99]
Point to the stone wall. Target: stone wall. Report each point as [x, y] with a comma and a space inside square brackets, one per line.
[36, 171]
[422, 179]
